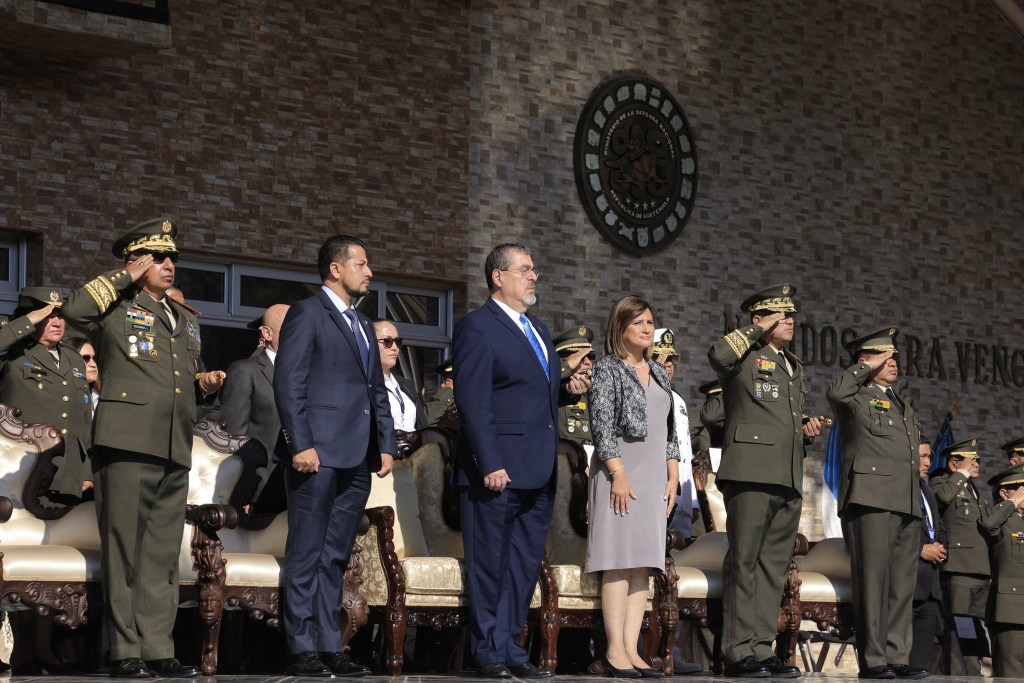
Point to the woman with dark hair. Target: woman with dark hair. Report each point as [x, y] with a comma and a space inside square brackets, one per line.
[92, 370]
[633, 478]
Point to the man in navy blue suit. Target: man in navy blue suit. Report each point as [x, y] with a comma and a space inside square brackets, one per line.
[337, 423]
[507, 390]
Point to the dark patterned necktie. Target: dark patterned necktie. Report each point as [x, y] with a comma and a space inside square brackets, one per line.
[364, 350]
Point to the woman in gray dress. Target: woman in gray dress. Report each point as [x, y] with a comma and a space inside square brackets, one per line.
[633, 478]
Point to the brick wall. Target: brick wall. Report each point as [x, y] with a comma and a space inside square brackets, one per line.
[866, 151]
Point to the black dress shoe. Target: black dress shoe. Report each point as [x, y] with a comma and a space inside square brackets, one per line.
[133, 667]
[307, 664]
[748, 667]
[171, 668]
[621, 673]
[496, 670]
[681, 667]
[884, 671]
[779, 669]
[527, 670]
[648, 672]
[341, 665]
[909, 672]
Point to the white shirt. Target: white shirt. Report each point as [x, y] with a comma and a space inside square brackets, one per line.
[403, 408]
[512, 313]
[682, 420]
[342, 307]
[271, 355]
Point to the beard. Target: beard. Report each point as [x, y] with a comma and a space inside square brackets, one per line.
[529, 299]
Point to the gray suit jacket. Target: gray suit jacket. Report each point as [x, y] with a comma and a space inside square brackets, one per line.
[247, 400]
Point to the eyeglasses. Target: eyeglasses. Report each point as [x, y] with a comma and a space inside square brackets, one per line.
[87, 357]
[158, 256]
[388, 342]
[521, 271]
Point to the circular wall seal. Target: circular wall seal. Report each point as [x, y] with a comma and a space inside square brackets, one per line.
[635, 164]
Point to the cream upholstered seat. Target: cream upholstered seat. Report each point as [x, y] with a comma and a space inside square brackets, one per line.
[571, 597]
[826, 586]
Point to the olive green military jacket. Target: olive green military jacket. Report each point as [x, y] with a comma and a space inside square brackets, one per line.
[439, 404]
[763, 430]
[574, 419]
[961, 508]
[878, 445]
[49, 394]
[1003, 526]
[148, 370]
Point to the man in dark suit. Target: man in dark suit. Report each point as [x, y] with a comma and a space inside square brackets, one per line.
[879, 504]
[761, 476]
[150, 361]
[507, 390]
[337, 424]
[928, 592]
[965, 575]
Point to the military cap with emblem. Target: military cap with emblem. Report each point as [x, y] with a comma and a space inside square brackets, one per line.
[574, 339]
[879, 341]
[963, 449]
[445, 368]
[1011, 477]
[665, 343]
[709, 388]
[255, 324]
[33, 298]
[155, 235]
[773, 299]
[1015, 447]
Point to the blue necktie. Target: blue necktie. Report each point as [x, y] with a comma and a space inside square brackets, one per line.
[364, 350]
[534, 342]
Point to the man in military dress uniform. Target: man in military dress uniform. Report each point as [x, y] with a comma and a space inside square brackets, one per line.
[761, 476]
[444, 399]
[575, 347]
[879, 504]
[47, 381]
[1003, 526]
[1014, 451]
[148, 349]
[965, 576]
[706, 424]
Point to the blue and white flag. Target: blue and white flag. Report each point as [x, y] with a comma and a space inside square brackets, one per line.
[829, 499]
[943, 440]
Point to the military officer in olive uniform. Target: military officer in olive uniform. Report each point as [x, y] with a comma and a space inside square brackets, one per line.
[444, 399]
[47, 381]
[761, 476]
[1003, 526]
[1014, 451]
[148, 348]
[706, 424]
[879, 504]
[965, 576]
[575, 347]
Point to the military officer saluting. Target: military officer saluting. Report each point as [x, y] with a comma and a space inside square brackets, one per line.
[47, 381]
[575, 347]
[879, 504]
[1003, 526]
[761, 476]
[965, 575]
[148, 348]
[444, 399]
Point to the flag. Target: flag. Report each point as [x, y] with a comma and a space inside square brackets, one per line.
[829, 499]
[943, 440]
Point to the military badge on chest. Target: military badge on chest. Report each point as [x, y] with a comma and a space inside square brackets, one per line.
[140, 338]
[766, 387]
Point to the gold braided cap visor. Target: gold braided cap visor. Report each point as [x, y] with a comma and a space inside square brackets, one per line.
[157, 243]
[782, 304]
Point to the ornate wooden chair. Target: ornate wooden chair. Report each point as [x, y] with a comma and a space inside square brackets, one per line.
[826, 597]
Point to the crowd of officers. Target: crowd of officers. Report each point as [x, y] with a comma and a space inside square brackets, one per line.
[931, 560]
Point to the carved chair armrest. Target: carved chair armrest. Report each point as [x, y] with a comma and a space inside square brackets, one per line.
[381, 553]
[6, 509]
[803, 546]
[675, 540]
[211, 517]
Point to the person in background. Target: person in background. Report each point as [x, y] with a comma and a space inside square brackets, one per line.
[1014, 451]
[634, 477]
[92, 370]
[406, 406]
[934, 548]
[444, 399]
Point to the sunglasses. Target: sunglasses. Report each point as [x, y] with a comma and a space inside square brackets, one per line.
[158, 256]
[87, 357]
[388, 342]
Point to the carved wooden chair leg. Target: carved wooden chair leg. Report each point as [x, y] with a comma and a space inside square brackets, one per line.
[393, 650]
[549, 630]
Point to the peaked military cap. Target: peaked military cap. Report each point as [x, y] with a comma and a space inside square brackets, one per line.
[964, 449]
[664, 343]
[445, 368]
[574, 339]
[878, 341]
[255, 324]
[1012, 447]
[709, 388]
[1011, 476]
[156, 235]
[774, 299]
[31, 298]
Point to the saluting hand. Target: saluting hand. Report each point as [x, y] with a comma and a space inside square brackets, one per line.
[768, 322]
[878, 360]
[40, 314]
[1017, 496]
[138, 267]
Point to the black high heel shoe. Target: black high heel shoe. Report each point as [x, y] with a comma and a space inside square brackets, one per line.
[621, 673]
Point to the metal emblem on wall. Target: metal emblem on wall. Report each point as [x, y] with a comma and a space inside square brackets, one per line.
[635, 164]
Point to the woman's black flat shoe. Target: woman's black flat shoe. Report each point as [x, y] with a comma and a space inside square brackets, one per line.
[648, 672]
[621, 673]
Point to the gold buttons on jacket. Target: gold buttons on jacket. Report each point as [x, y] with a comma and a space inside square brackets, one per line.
[64, 415]
[177, 390]
[124, 394]
[66, 399]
